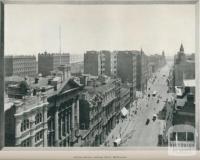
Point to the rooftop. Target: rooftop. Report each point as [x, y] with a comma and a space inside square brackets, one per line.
[52, 54]
[100, 88]
[32, 101]
[124, 91]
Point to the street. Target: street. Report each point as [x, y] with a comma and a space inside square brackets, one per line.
[133, 130]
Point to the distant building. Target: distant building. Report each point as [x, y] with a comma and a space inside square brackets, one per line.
[50, 61]
[92, 63]
[77, 68]
[127, 67]
[109, 62]
[184, 67]
[142, 71]
[100, 63]
[20, 66]
[156, 61]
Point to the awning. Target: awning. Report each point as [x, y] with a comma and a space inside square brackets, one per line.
[189, 83]
[179, 91]
[155, 115]
[124, 111]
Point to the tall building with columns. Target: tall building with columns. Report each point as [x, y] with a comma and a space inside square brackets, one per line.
[63, 115]
[47, 117]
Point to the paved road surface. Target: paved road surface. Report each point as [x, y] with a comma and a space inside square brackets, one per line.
[133, 131]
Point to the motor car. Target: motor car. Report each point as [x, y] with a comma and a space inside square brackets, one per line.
[158, 101]
[154, 117]
[154, 93]
[147, 121]
[117, 142]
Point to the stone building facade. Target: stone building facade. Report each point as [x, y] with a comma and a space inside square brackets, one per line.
[26, 122]
[63, 115]
[98, 103]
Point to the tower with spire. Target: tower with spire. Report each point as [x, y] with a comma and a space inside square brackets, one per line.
[181, 54]
[182, 48]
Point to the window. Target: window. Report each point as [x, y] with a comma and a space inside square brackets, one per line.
[24, 125]
[26, 143]
[38, 118]
[38, 136]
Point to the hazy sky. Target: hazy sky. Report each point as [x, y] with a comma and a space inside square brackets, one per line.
[30, 29]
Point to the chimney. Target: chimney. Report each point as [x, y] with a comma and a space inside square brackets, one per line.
[36, 80]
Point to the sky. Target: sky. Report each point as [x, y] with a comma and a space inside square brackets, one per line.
[32, 29]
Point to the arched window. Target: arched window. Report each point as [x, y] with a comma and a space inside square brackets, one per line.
[24, 125]
[38, 118]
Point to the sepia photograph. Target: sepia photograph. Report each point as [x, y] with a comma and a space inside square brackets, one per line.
[112, 76]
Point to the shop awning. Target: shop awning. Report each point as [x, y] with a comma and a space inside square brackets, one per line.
[179, 91]
[124, 111]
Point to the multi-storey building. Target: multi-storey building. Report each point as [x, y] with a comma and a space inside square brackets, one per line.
[98, 110]
[26, 122]
[47, 117]
[109, 63]
[127, 67]
[92, 63]
[184, 67]
[113, 64]
[63, 115]
[142, 71]
[50, 61]
[20, 66]
[100, 63]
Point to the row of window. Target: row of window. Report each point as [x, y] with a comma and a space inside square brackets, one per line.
[27, 142]
[38, 136]
[26, 123]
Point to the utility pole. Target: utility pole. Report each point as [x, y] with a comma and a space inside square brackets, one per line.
[60, 43]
